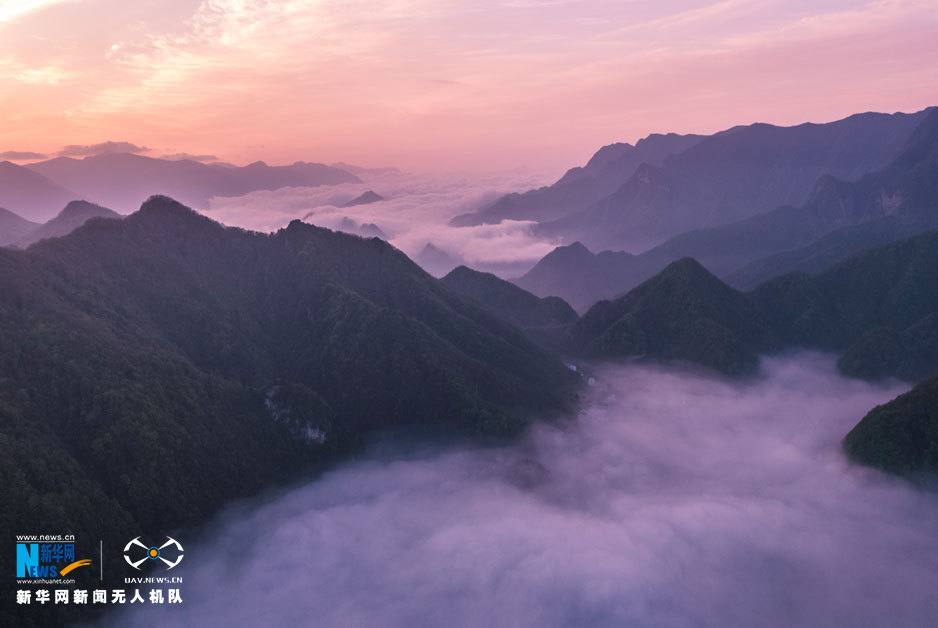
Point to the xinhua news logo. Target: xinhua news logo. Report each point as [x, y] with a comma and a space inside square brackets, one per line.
[46, 556]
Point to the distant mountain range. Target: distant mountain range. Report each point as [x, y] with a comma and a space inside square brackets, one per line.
[18, 232]
[123, 181]
[166, 341]
[13, 227]
[837, 219]
[365, 230]
[630, 197]
[857, 307]
[74, 215]
[30, 195]
[580, 187]
[435, 260]
[365, 172]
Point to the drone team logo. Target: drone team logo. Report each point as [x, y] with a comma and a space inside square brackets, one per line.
[170, 552]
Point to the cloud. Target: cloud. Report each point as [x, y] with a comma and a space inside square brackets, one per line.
[104, 148]
[460, 84]
[189, 156]
[673, 499]
[416, 212]
[31, 74]
[21, 155]
[10, 10]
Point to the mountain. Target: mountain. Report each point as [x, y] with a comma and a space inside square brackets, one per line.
[896, 202]
[910, 354]
[900, 436]
[580, 187]
[124, 180]
[365, 172]
[733, 175]
[827, 250]
[365, 230]
[29, 194]
[436, 261]
[74, 215]
[13, 227]
[892, 287]
[683, 313]
[517, 306]
[155, 367]
[838, 219]
[580, 277]
[364, 199]
[878, 309]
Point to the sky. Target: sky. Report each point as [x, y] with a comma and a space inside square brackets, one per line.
[443, 84]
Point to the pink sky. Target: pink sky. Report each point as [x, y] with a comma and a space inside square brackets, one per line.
[445, 84]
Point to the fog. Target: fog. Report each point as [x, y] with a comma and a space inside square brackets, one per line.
[416, 211]
[672, 499]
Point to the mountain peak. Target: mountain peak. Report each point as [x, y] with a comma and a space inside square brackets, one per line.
[159, 210]
[576, 250]
[76, 209]
[609, 153]
[73, 216]
[690, 273]
[364, 199]
[509, 301]
[687, 264]
[922, 144]
[160, 204]
[462, 271]
[684, 313]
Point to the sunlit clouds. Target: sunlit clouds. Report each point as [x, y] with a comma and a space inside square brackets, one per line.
[445, 84]
[10, 10]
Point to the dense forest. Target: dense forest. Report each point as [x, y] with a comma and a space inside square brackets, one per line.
[900, 436]
[155, 367]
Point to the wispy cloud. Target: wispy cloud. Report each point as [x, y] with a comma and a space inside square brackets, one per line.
[13, 70]
[437, 83]
[81, 150]
[190, 157]
[21, 155]
[10, 10]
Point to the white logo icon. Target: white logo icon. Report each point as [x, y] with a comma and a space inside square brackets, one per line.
[152, 553]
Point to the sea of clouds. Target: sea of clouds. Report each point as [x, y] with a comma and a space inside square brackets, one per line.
[673, 499]
[416, 212]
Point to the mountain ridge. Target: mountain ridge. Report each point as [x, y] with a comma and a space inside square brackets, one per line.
[730, 176]
[72, 216]
[837, 219]
[125, 180]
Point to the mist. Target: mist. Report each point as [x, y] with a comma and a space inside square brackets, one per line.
[672, 499]
[416, 212]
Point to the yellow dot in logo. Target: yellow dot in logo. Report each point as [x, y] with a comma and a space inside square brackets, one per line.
[153, 552]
